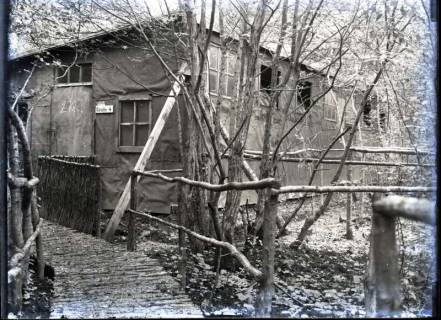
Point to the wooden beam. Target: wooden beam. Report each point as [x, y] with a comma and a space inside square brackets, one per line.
[24, 252]
[396, 150]
[415, 209]
[353, 162]
[333, 188]
[19, 182]
[123, 201]
[247, 185]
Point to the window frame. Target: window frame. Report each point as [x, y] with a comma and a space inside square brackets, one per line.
[267, 67]
[334, 109]
[80, 76]
[329, 104]
[216, 69]
[133, 99]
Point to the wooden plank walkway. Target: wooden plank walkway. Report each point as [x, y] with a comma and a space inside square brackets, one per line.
[96, 279]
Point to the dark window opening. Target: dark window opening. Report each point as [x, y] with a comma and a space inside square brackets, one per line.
[265, 78]
[383, 120]
[135, 122]
[366, 114]
[62, 75]
[304, 94]
[86, 72]
[75, 73]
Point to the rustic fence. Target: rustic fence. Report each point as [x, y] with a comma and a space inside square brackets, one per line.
[24, 223]
[266, 276]
[70, 192]
[382, 286]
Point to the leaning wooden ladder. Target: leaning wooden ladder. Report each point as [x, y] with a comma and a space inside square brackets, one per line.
[124, 200]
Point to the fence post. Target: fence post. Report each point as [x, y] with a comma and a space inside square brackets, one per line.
[382, 284]
[266, 290]
[131, 239]
[174, 210]
[98, 202]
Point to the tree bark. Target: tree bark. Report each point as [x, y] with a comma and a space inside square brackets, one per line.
[266, 290]
[15, 289]
[349, 196]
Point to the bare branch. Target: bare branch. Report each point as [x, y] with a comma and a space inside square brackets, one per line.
[233, 250]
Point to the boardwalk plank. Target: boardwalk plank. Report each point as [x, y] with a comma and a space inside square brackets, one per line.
[96, 279]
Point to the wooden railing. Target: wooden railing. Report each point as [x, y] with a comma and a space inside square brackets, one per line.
[264, 277]
[382, 284]
[15, 266]
[383, 292]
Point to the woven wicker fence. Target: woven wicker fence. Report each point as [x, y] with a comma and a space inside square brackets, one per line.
[70, 191]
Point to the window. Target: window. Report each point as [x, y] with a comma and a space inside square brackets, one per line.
[77, 73]
[134, 124]
[330, 112]
[329, 108]
[304, 94]
[214, 61]
[265, 78]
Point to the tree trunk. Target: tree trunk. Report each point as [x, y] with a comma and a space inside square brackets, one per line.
[266, 285]
[349, 196]
[15, 289]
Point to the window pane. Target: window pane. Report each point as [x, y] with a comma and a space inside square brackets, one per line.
[230, 86]
[127, 113]
[230, 64]
[213, 57]
[213, 81]
[74, 74]
[86, 72]
[142, 111]
[126, 135]
[142, 133]
[60, 73]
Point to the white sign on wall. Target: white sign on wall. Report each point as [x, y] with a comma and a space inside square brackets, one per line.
[102, 107]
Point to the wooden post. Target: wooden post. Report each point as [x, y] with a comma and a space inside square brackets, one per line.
[38, 240]
[266, 291]
[321, 183]
[382, 284]
[349, 195]
[174, 210]
[123, 201]
[131, 237]
[98, 204]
